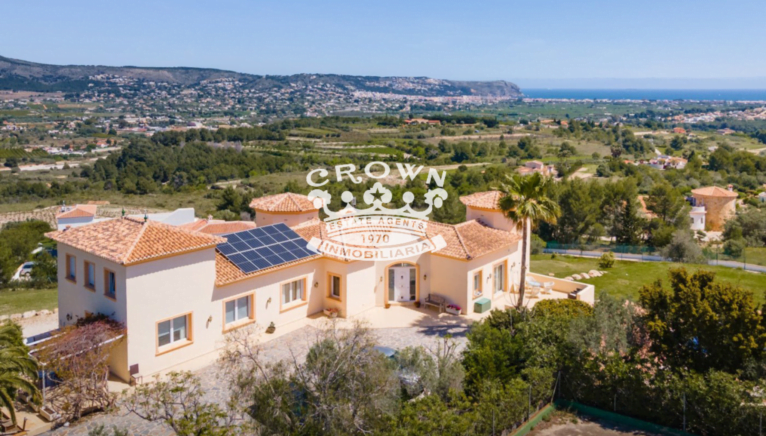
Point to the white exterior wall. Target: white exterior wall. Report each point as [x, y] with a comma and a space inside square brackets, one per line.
[62, 223]
[494, 219]
[164, 289]
[75, 299]
[291, 219]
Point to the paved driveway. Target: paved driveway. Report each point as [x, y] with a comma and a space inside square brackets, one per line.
[297, 343]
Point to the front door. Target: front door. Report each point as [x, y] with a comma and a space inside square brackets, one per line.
[402, 283]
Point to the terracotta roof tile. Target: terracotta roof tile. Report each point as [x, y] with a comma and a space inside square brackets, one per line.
[483, 200]
[467, 240]
[218, 227]
[78, 211]
[287, 202]
[126, 241]
[714, 191]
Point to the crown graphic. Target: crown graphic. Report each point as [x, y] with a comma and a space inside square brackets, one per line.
[376, 197]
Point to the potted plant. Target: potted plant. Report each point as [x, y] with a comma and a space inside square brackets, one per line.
[331, 312]
[417, 304]
[388, 306]
[453, 309]
[271, 328]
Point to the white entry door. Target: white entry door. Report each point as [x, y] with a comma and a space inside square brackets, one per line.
[402, 283]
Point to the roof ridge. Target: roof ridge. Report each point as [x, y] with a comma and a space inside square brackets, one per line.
[462, 244]
[290, 196]
[135, 242]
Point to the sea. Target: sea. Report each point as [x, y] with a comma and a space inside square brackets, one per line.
[649, 94]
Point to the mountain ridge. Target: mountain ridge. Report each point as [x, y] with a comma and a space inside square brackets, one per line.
[31, 76]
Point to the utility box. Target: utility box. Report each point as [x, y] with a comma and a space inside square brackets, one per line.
[482, 305]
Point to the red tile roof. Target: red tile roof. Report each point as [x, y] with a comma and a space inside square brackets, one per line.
[127, 240]
[78, 211]
[287, 202]
[714, 191]
[218, 227]
[483, 200]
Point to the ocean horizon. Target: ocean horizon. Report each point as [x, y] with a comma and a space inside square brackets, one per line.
[649, 94]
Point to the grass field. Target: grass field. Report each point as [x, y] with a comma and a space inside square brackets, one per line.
[23, 300]
[626, 278]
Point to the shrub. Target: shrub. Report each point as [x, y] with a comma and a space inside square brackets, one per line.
[734, 247]
[537, 245]
[606, 261]
[683, 248]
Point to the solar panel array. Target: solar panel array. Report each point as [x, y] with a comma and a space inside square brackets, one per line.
[264, 247]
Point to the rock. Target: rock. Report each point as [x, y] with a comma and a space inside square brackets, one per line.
[29, 314]
[603, 272]
[568, 278]
[44, 312]
[594, 273]
[576, 276]
[585, 275]
[56, 310]
[552, 275]
[15, 316]
[4, 318]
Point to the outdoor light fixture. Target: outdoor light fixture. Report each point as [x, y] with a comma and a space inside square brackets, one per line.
[425, 276]
[268, 301]
[316, 284]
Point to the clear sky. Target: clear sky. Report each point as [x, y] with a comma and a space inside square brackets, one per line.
[533, 43]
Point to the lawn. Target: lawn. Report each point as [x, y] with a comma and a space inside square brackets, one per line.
[23, 300]
[626, 278]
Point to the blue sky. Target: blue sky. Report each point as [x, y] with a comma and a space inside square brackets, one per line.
[533, 43]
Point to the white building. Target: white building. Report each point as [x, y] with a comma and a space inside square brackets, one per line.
[178, 291]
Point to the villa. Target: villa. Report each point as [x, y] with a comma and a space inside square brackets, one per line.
[179, 289]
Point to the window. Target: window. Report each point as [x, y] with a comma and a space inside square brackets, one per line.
[173, 331]
[110, 284]
[334, 286]
[90, 276]
[238, 309]
[499, 277]
[293, 291]
[71, 268]
[477, 284]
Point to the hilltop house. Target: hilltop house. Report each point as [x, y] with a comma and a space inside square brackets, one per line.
[712, 207]
[180, 289]
[535, 166]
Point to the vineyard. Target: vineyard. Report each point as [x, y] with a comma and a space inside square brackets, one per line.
[48, 215]
[20, 153]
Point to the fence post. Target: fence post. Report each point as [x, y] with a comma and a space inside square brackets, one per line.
[684, 411]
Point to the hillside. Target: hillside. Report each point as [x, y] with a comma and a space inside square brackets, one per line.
[30, 76]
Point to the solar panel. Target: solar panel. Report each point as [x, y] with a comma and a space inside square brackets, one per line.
[264, 247]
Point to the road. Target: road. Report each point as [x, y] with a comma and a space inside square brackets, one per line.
[655, 258]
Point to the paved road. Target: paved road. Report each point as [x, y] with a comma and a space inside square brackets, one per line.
[654, 258]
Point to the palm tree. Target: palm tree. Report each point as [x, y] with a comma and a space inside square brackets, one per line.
[526, 201]
[18, 370]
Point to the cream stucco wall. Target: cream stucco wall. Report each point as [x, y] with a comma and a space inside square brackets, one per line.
[494, 219]
[291, 219]
[168, 288]
[74, 299]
